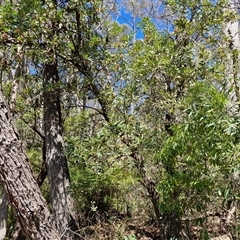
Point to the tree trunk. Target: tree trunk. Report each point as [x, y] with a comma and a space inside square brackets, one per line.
[57, 169]
[19, 184]
[231, 30]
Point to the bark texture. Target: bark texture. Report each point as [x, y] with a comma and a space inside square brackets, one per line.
[63, 208]
[19, 184]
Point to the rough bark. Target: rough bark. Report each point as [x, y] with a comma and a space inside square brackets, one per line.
[63, 209]
[19, 184]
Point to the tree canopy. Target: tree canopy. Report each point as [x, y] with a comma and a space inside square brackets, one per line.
[118, 127]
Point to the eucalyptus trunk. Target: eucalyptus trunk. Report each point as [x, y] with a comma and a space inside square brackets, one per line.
[62, 203]
[231, 30]
[19, 184]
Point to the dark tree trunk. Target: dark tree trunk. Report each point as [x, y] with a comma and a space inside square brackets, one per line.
[63, 209]
[20, 186]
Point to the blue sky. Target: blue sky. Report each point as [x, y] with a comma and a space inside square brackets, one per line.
[125, 18]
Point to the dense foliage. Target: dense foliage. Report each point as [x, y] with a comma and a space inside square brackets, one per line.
[150, 128]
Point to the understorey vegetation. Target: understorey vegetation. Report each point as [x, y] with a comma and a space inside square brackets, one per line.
[119, 119]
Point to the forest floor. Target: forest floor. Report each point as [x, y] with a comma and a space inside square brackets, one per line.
[220, 225]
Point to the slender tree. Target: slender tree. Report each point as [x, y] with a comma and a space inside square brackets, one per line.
[63, 208]
[231, 30]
